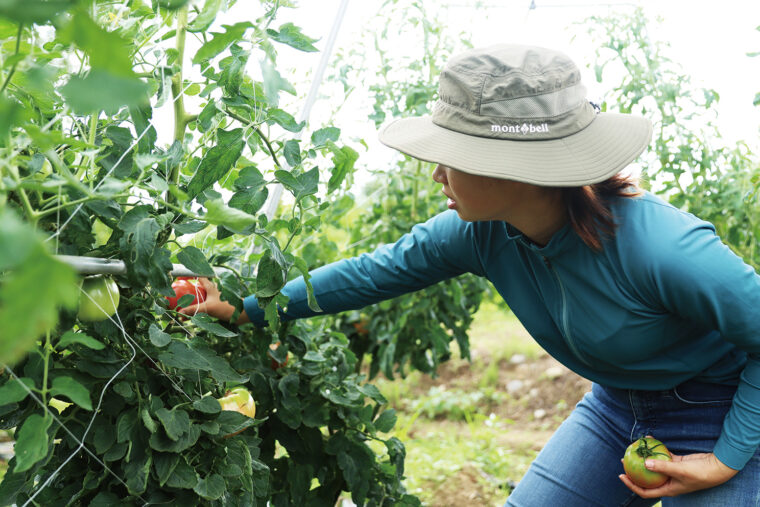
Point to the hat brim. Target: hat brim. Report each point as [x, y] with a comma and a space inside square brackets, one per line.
[602, 149]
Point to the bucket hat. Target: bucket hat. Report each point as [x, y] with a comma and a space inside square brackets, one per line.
[520, 113]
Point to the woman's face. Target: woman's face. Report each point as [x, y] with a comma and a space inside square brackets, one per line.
[480, 198]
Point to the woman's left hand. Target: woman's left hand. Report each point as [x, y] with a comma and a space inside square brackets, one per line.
[688, 473]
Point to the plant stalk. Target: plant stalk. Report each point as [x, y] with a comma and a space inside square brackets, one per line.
[13, 69]
[180, 117]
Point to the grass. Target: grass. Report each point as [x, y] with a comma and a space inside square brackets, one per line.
[458, 451]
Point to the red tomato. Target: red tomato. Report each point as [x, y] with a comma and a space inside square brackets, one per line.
[635, 456]
[186, 285]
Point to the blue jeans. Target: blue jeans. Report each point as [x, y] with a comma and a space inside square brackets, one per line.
[579, 466]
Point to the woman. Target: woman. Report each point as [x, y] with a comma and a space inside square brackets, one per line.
[624, 289]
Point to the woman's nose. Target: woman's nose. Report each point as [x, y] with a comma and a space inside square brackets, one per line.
[439, 175]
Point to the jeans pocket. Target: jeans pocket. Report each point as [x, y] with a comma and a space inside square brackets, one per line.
[703, 394]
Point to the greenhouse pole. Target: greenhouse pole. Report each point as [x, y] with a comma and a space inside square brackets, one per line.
[274, 200]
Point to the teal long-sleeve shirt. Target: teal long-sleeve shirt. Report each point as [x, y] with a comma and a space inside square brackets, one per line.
[665, 301]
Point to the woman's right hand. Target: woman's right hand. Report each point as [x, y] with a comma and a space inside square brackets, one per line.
[213, 305]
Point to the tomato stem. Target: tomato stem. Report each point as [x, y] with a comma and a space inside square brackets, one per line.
[46, 361]
[13, 68]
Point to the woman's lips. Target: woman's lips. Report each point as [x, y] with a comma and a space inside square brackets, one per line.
[451, 203]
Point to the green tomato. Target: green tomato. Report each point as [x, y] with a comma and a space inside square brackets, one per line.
[636, 455]
[102, 301]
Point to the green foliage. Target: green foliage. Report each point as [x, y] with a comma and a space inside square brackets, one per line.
[453, 404]
[414, 330]
[26, 315]
[82, 173]
[687, 161]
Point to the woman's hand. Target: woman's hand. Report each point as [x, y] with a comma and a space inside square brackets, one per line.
[213, 305]
[688, 473]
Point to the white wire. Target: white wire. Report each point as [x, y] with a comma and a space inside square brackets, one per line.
[132, 344]
[81, 440]
[95, 411]
[276, 195]
[68, 431]
[123, 155]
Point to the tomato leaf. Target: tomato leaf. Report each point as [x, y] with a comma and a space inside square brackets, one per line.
[81, 338]
[145, 262]
[211, 487]
[164, 465]
[158, 337]
[183, 476]
[55, 286]
[31, 442]
[34, 11]
[189, 227]
[107, 51]
[291, 35]
[373, 392]
[13, 392]
[270, 276]
[301, 266]
[292, 152]
[176, 422]
[73, 390]
[162, 443]
[206, 17]
[197, 356]
[137, 468]
[194, 260]
[204, 322]
[218, 213]
[221, 41]
[344, 159]
[217, 162]
[386, 421]
[94, 92]
[284, 120]
[302, 185]
[207, 405]
[273, 83]
[320, 137]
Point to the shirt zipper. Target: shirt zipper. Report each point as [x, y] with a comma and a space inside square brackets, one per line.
[565, 324]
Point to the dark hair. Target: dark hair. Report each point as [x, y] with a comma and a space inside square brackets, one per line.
[588, 207]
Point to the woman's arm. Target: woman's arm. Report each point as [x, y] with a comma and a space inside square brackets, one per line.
[690, 272]
[443, 247]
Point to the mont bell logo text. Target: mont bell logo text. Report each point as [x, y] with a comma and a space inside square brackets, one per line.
[525, 128]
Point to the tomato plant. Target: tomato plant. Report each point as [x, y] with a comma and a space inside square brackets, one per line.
[414, 330]
[84, 172]
[636, 455]
[186, 286]
[688, 161]
[99, 299]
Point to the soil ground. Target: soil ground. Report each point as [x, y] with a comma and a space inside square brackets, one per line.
[477, 460]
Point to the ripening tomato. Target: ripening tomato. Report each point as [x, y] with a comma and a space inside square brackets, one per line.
[361, 327]
[635, 456]
[99, 299]
[238, 400]
[186, 285]
[274, 363]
